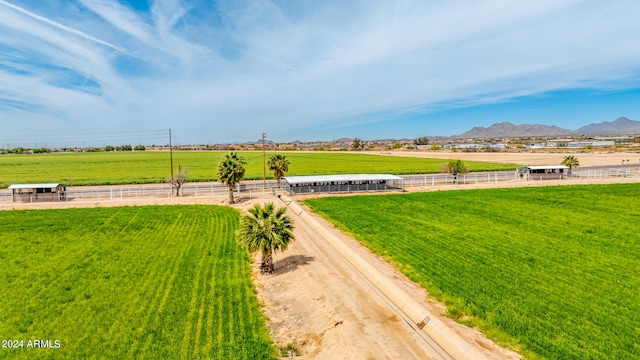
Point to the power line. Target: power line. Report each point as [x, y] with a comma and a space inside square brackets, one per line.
[82, 140]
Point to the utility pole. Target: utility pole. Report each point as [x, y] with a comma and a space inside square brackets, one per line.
[264, 163]
[171, 156]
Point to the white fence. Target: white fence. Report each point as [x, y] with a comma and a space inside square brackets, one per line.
[108, 193]
[603, 173]
[254, 189]
[165, 191]
[448, 179]
[498, 176]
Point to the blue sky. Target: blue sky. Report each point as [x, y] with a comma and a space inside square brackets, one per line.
[225, 71]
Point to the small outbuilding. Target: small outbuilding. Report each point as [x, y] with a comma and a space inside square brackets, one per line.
[342, 183]
[37, 192]
[543, 172]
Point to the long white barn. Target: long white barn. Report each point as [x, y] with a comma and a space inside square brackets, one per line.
[342, 183]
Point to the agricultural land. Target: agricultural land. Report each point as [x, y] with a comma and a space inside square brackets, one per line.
[549, 271]
[576, 280]
[155, 282]
[154, 167]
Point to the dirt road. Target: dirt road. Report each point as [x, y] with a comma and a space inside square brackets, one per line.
[316, 302]
[531, 158]
[322, 306]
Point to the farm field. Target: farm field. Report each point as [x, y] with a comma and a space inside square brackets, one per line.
[154, 167]
[552, 272]
[154, 282]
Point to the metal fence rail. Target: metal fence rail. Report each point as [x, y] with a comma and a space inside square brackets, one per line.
[603, 173]
[164, 191]
[448, 179]
[588, 173]
[5, 197]
[253, 189]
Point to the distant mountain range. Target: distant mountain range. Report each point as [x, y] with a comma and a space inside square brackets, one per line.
[621, 126]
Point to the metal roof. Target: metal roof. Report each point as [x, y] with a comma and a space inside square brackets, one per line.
[33, 186]
[341, 177]
[541, 167]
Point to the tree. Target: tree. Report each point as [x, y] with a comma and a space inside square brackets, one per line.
[266, 230]
[178, 180]
[421, 141]
[279, 165]
[125, 147]
[570, 161]
[356, 144]
[231, 171]
[456, 167]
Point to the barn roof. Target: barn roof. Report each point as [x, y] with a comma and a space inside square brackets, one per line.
[33, 186]
[341, 177]
[541, 167]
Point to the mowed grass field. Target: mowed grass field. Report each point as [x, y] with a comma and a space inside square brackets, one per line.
[553, 272]
[129, 283]
[154, 167]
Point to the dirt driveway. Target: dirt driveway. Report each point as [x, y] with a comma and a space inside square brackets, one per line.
[527, 158]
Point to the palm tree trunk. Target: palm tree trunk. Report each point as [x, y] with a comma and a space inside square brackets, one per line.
[267, 263]
[231, 201]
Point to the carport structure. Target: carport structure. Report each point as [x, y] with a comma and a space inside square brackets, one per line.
[37, 192]
[543, 172]
[342, 183]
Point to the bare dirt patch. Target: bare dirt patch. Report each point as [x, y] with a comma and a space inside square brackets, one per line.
[528, 158]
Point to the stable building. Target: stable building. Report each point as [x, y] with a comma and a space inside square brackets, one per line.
[543, 172]
[342, 183]
[37, 192]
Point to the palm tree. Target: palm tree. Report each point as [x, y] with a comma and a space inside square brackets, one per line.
[231, 171]
[279, 165]
[267, 230]
[456, 167]
[570, 161]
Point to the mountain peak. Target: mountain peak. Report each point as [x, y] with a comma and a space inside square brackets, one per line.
[507, 129]
[621, 125]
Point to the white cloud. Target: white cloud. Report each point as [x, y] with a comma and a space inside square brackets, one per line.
[255, 64]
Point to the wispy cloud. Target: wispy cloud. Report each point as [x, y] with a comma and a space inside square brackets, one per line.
[299, 70]
[55, 24]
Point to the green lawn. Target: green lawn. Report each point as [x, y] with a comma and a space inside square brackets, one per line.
[154, 167]
[129, 283]
[552, 271]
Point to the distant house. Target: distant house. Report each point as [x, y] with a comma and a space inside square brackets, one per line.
[474, 146]
[542, 172]
[569, 144]
[37, 192]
